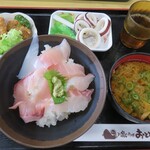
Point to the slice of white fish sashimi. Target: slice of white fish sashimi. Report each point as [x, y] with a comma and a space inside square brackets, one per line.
[30, 97]
[77, 101]
[31, 111]
[32, 93]
[65, 49]
[54, 55]
[32, 86]
[69, 69]
[80, 82]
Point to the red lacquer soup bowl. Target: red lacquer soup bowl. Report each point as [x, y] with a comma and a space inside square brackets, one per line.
[125, 96]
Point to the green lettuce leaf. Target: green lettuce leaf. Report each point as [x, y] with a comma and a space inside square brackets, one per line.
[10, 39]
[68, 16]
[61, 29]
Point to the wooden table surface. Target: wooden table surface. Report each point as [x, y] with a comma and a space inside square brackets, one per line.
[68, 4]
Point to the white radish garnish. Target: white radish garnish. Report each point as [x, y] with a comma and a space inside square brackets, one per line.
[89, 37]
[30, 58]
[103, 26]
[91, 18]
[80, 24]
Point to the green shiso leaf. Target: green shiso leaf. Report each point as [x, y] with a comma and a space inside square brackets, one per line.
[49, 75]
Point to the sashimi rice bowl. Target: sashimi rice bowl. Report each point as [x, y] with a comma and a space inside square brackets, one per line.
[51, 97]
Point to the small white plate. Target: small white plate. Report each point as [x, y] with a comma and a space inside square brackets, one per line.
[105, 40]
[10, 16]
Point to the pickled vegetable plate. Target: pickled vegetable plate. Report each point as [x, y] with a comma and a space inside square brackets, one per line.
[92, 29]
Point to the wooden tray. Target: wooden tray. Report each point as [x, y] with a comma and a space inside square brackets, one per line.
[109, 116]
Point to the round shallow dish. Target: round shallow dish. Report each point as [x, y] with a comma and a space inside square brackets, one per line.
[11, 16]
[65, 131]
[137, 56]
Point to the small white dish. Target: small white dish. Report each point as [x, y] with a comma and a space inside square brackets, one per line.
[102, 26]
[11, 16]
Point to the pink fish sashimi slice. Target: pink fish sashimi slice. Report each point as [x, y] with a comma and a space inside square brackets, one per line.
[76, 101]
[30, 96]
[32, 111]
[80, 82]
[69, 69]
[31, 87]
[55, 55]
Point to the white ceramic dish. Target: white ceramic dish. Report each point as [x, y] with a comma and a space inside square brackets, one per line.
[10, 16]
[105, 40]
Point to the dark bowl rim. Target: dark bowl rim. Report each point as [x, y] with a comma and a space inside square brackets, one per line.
[113, 101]
[62, 141]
